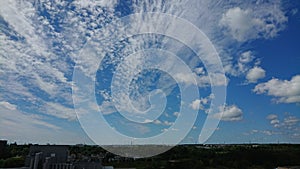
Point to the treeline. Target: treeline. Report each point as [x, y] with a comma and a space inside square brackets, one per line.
[221, 157]
[182, 156]
[14, 156]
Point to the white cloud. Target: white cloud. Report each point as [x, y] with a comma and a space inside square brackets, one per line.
[88, 3]
[196, 104]
[199, 71]
[208, 15]
[245, 24]
[246, 57]
[240, 23]
[177, 114]
[167, 123]
[215, 79]
[23, 127]
[274, 122]
[243, 64]
[255, 74]
[24, 121]
[77, 24]
[199, 104]
[284, 91]
[289, 126]
[157, 121]
[107, 107]
[188, 79]
[147, 121]
[58, 110]
[291, 120]
[272, 116]
[7, 105]
[230, 113]
[265, 132]
[30, 62]
[202, 103]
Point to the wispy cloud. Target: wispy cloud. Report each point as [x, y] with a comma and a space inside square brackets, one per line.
[25, 127]
[16, 121]
[38, 52]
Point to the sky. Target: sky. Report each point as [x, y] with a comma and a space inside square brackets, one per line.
[153, 71]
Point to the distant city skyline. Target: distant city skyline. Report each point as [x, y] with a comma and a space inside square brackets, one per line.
[42, 43]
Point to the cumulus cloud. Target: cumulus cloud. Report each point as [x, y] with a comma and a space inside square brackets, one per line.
[230, 113]
[244, 24]
[246, 57]
[272, 116]
[284, 91]
[274, 122]
[201, 104]
[255, 74]
[240, 23]
[244, 61]
[289, 125]
[243, 64]
[196, 104]
[177, 114]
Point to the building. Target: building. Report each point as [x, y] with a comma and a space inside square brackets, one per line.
[60, 152]
[87, 165]
[108, 167]
[55, 157]
[3, 144]
[47, 157]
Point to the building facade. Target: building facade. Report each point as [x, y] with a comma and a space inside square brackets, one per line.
[55, 157]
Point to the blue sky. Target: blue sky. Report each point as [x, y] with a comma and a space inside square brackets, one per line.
[43, 42]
